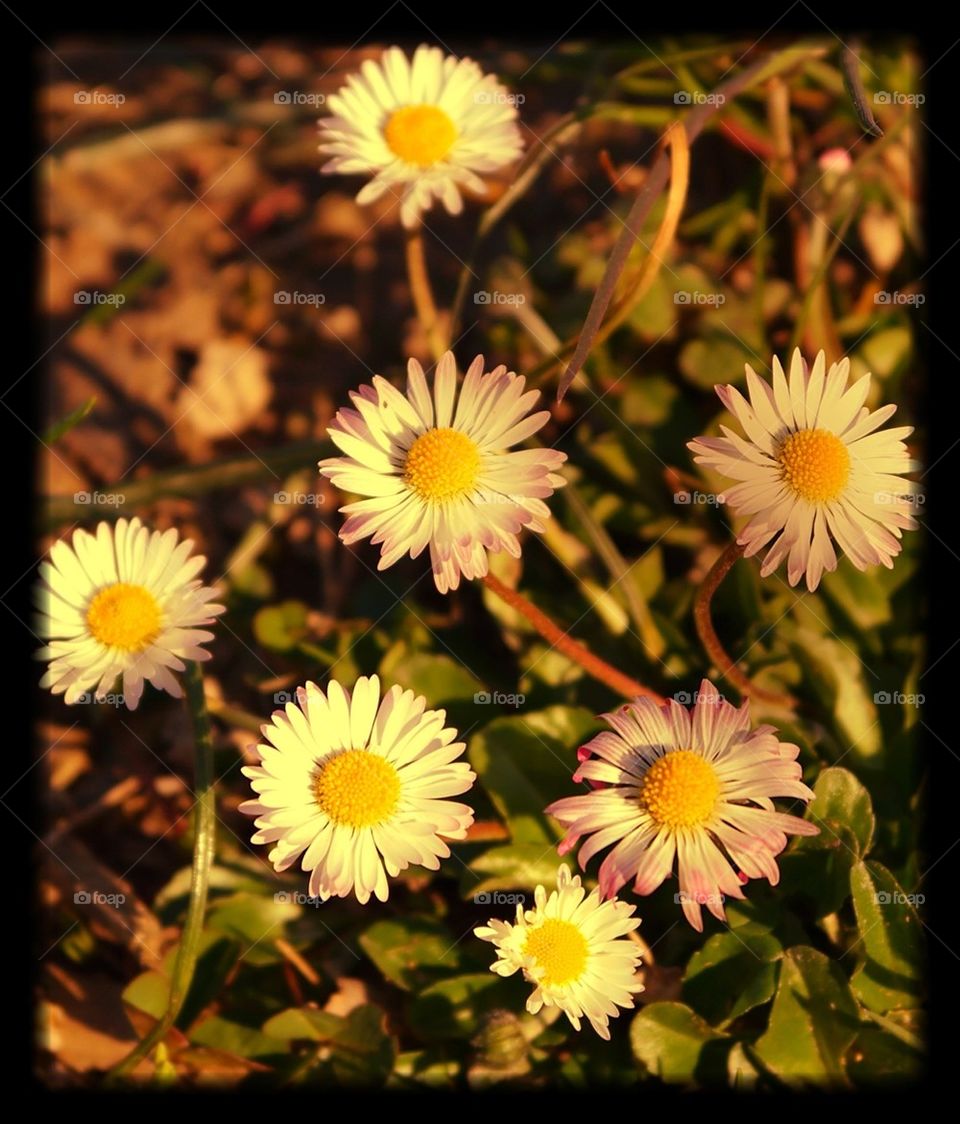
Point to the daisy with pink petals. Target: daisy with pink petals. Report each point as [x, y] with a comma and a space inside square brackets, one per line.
[815, 469]
[695, 786]
[438, 469]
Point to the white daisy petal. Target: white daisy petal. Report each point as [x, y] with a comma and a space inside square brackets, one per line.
[122, 605]
[420, 128]
[356, 786]
[437, 469]
[815, 468]
[698, 792]
[575, 951]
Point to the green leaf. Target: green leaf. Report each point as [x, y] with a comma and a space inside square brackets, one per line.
[58, 429]
[840, 800]
[731, 974]
[812, 1023]
[281, 627]
[817, 867]
[877, 1058]
[361, 1052]
[235, 1038]
[439, 678]
[257, 920]
[452, 1008]
[705, 363]
[526, 761]
[857, 595]
[150, 991]
[674, 1043]
[411, 953]
[430, 1068]
[836, 675]
[891, 974]
[516, 865]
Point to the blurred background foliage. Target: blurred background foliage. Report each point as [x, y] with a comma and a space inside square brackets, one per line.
[201, 399]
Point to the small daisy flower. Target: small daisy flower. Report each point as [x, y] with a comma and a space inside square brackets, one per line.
[123, 603]
[438, 470]
[357, 786]
[571, 947]
[422, 128]
[815, 468]
[695, 786]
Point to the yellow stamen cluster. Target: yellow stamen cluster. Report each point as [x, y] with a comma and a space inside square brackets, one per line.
[815, 464]
[357, 788]
[124, 616]
[442, 464]
[420, 134]
[680, 789]
[559, 949]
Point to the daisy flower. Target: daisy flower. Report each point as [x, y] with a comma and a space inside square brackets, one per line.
[356, 785]
[571, 948]
[695, 786]
[438, 469]
[122, 603]
[814, 467]
[422, 128]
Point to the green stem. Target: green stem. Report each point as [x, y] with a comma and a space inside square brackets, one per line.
[618, 568]
[204, 822]
[422, 292]
[708, 635]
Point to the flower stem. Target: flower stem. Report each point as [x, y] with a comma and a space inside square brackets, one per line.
[711, 642]
[422, 292]
[563, 642]
[204, 821]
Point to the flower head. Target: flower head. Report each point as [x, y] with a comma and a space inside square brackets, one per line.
[437, 469]
[122, 603]
[357, 786]
[814, 469]
[422, 128]
[695, 785]
[571, 948]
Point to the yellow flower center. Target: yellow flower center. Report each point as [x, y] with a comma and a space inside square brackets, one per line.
[124, 616]
[357, 788]
[815, 463]
[442, 464]
[559, 948]
[680, 789]
[420, 134]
